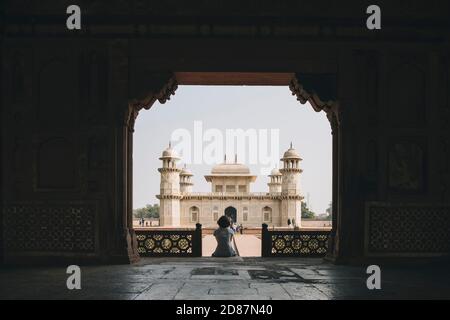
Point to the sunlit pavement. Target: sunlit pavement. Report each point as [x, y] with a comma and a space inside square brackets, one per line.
[225, 278]
[247, 245]
[208, 245]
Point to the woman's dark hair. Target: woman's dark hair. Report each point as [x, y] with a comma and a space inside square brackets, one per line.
[224, 222]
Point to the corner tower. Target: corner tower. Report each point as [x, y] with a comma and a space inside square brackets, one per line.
[290, 187]
[275, 181]
[185, 180]
[169, 196]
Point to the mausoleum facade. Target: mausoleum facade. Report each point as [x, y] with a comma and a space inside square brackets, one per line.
[230, 194]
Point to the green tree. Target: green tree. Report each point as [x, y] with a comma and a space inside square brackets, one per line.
[330, 208]
[149, 211]
[306, 212]
[329, 211]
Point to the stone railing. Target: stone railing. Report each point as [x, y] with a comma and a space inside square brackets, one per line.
[291, 243]
[170, 243]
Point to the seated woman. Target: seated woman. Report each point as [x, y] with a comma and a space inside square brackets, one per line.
[224, 236]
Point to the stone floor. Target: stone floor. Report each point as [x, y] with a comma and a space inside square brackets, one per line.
[227, 278]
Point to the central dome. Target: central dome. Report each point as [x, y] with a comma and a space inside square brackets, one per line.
[230, 169]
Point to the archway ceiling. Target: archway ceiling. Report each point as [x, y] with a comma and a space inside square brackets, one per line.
[234, 78]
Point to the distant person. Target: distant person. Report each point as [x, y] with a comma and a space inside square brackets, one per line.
[241, 228]
[293, 222]
[289, 222]
[146, 223]
[224, 237]
[139, 222]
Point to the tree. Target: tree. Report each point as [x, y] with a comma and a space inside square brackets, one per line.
[306, 212]
[329, 210]
[149, 211]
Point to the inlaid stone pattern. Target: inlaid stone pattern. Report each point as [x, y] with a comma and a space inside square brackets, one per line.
[160, 243]
[299, 243]
[409, 229]
[50, 228]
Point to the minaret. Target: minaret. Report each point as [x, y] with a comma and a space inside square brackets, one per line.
[275, 181]
[290, 189]
[185, 180]
[169, 196]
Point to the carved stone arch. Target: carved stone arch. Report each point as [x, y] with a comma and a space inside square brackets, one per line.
[320, 90]
[158, 86]
[161, 87]
[266, 213]
[194, 214]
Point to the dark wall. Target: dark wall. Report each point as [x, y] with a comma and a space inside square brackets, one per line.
[67, 124]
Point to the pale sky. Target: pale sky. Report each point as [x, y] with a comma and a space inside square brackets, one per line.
[234, 107]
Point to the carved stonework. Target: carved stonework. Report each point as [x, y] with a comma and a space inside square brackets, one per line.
[333, 119]
[406, 166]
[325, 83]
[161, 89]
[50, 226]
[394, 229]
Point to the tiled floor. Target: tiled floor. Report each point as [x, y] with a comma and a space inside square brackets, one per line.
[227, 278]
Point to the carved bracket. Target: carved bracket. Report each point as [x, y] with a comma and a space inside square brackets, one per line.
[304, 87]
[162, 87]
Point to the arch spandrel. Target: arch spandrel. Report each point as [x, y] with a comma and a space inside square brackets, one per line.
[320, 90]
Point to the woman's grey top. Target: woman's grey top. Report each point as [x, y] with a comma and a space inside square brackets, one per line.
[224, 245]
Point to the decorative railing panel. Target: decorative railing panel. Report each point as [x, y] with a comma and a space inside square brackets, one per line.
[407, 229]
[63, 227]
[288, 243]
[164, 243]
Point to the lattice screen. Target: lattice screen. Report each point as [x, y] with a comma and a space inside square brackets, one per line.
[50, 227]
[409, 229]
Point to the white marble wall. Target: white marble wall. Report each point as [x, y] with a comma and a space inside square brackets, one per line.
[255, 211]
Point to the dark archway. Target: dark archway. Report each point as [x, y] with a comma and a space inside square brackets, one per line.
[304, 86]
[232, 213]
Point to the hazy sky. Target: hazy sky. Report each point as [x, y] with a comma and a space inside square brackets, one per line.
[232, 107]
